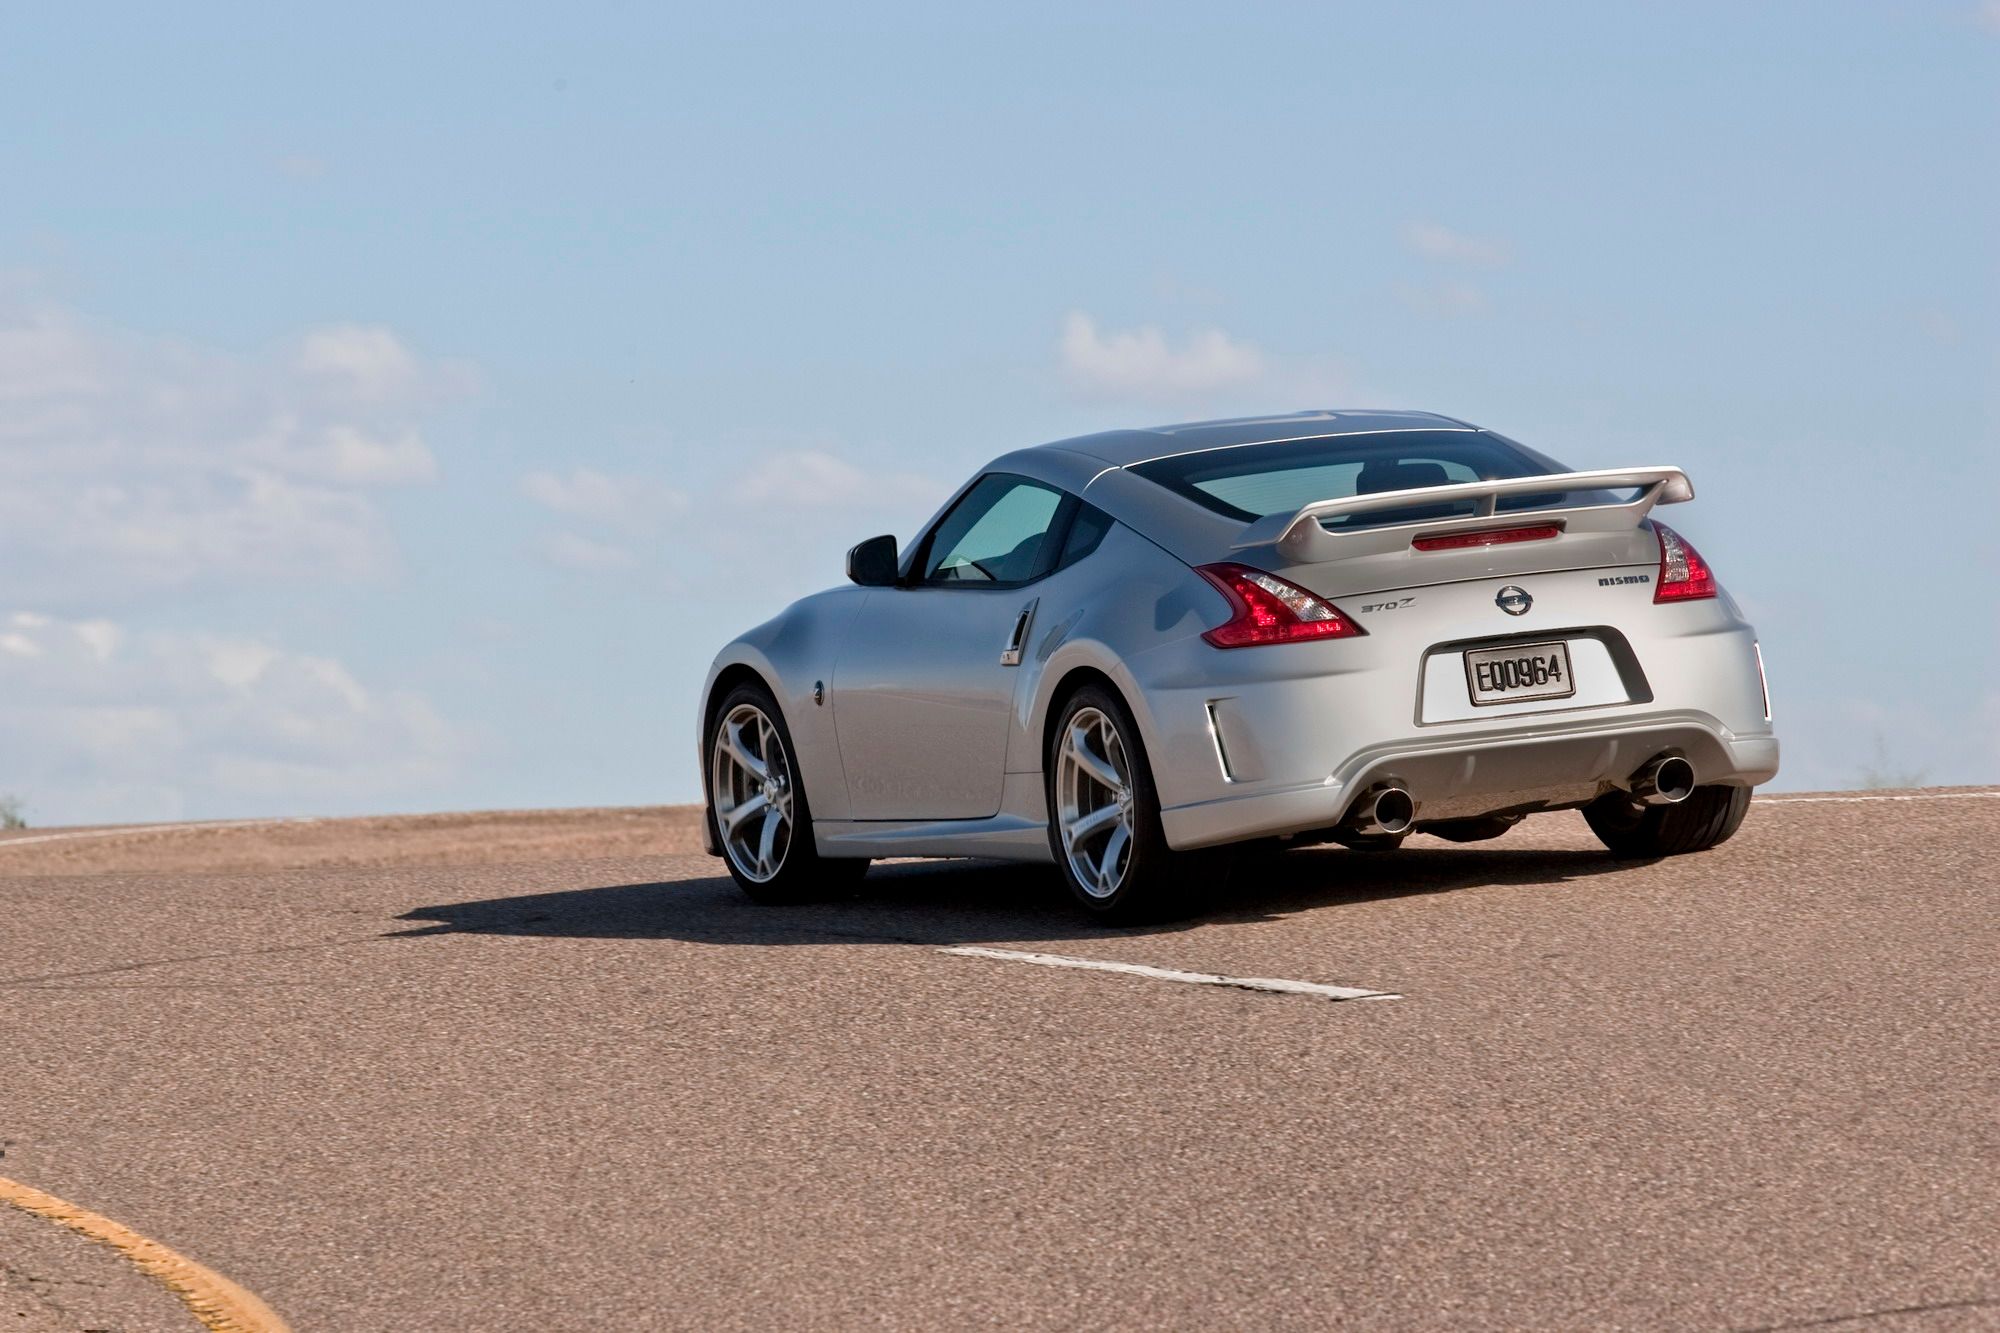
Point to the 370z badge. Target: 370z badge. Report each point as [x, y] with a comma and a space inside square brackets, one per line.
[1514, 601]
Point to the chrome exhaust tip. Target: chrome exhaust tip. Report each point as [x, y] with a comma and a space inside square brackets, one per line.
[1384, 811]
[1666, 780]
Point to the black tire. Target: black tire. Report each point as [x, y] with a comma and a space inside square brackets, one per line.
[1705, 819]
[1157, 883]
[799, 873]
[1370, 842]
[1472, 830]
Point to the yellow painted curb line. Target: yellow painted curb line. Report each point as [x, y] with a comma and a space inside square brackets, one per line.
[220, 1305]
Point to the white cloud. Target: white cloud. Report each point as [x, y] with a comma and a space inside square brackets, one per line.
[1446, 300]
[358, 458]
[343, 454]
[237, 663]
[1143, 363]
[816, 479]
[583, 555]
[100, 638]
[134, 462]
[633, 525]
[1434, 241]
[99, 722]
[1209, 371]
[629, 519]
[368, 360]
[582, 492]
[631, 504]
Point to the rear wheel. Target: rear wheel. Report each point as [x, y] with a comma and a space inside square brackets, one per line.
[1705, 819]
[1369, 842]
[1104, 818]
[758, 806]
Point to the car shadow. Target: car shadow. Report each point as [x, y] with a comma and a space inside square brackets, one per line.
[970, 902]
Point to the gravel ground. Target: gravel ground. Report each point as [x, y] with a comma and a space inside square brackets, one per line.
[551, 1071]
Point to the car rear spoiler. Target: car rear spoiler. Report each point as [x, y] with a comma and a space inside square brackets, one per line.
[1301, 537]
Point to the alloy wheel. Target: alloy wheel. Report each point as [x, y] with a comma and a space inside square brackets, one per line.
[1094, 802]
[752, 788]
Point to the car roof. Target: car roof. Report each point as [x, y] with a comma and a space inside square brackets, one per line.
[1093, 466]
[1123, 448]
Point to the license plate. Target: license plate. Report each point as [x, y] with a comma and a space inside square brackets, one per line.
[1523, 671]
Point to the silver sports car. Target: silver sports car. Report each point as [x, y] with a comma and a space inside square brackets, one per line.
[1119, 651]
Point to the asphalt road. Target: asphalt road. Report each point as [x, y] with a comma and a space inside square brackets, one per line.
[553, 1072]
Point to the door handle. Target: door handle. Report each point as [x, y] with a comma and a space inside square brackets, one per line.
[1011, 654]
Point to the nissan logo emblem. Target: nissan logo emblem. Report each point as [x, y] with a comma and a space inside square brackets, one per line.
[1514, 601]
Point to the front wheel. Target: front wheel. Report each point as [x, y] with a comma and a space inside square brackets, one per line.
[758, 806]
[1705, 819]
[1104, 818]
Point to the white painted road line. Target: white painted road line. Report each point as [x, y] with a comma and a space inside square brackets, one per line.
[138, 829]
[1277, 985]
[1844, 800]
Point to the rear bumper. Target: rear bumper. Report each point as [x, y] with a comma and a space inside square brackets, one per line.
[1277, 740]
[1545, 765]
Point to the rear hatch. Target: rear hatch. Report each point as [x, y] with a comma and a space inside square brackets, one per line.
[1369, 511]
[1504, 596]
[1509, 528]
[1502, 582]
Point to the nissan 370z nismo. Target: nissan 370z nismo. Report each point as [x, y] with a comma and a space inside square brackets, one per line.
[1117, 651]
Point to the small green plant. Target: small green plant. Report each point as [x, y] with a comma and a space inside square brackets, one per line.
[1880, 773]
[10, 813]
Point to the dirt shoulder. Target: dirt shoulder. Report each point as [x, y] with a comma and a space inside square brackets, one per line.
[484, 838]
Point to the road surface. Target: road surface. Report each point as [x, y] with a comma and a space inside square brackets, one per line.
[551, 1071]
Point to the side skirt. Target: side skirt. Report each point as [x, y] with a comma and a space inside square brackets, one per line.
[1018, 833]
[1003, 837]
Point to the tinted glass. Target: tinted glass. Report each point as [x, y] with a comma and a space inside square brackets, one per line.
[1254, 480]
[994, 535]
[1085, 532]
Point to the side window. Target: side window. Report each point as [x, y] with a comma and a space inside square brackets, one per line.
[1086, 530]
[994, 536]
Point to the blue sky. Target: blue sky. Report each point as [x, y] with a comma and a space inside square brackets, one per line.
[397, 409]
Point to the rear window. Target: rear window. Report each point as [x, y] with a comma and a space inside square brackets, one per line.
[1249, 481]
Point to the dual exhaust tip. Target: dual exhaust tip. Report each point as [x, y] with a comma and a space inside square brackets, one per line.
[1387, 810]
[1665, 780]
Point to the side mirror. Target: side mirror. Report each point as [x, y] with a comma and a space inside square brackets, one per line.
[872, 564]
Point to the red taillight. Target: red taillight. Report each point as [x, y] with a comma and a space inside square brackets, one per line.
[1263, 608]
[1684, 575]
[1456, 541]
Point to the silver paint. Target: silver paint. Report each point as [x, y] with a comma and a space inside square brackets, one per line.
[932, 739]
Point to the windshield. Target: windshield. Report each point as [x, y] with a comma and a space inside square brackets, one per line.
[1249, 481]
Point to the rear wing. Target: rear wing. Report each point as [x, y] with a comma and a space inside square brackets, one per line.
[1301, 537]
